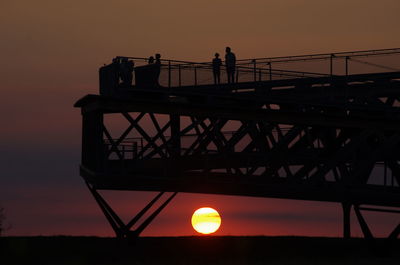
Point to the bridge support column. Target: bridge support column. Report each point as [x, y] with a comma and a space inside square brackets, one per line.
[175, 135]
[346, 207]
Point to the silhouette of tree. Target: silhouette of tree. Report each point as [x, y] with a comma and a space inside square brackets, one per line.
[2, 219]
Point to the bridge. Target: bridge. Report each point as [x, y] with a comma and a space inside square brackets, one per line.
[321, 127]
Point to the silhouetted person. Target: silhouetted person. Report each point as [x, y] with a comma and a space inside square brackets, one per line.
[216, 64]
[123, 70]
[129, 75]
[126, 72]
[116, 72]
[158, 63]
[158, 58]
[230, 63]
[151, 60]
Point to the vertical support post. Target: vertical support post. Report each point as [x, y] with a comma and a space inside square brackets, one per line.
[384, 173]
[195, 75]
[237, 75]
[259, 75]
[169, 73]
[179, 74]
[141, 146]
[347, 73]
[331, 64]
[175, 135]
[255, 70]
[392, 178]
[93, 151]
[346, 207]
[270, 71]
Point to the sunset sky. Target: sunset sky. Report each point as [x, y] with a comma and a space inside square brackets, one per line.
[50, 53]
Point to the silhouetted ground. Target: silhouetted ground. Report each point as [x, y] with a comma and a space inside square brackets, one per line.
[195, 250]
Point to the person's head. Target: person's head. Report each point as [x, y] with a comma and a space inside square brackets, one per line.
[151, 59]
[228, 49]
[216, 55]
[158, 56]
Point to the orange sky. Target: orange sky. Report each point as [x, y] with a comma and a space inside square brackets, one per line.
[50, 53]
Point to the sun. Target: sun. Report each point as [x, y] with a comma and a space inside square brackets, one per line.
[206, 220]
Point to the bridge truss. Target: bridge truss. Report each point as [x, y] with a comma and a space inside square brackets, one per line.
[320, 138]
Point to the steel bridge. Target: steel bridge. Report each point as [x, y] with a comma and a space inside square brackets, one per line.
[330, 133]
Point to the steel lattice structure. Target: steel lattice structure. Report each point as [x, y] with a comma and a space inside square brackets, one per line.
[319, 138]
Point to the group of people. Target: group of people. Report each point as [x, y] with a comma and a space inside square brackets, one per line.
[230, 64]
[157, 61]
[126, 67]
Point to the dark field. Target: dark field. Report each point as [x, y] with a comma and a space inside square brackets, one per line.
[196, 250]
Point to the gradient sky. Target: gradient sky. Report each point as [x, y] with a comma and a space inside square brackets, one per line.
[50, 52]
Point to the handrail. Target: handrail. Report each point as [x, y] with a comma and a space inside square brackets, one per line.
[317, 56]
[208, 66]
[177, 73]
[361, 53]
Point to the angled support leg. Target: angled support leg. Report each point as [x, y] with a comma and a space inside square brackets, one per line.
[395, 233]
[143, 211]
[143, 226]
[115, 222]
[363, 224]
[346, 220]
[121, 229]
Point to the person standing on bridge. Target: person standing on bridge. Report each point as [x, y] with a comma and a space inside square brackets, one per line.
[216, 65]
[150, 60]
[230, 63]
[158, 64]
[126, 72]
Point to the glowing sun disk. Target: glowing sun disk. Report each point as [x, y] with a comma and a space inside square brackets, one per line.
[206, 220]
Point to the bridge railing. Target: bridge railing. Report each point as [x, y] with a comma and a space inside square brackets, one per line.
[175, 73]
[340, 63]
[137, 148]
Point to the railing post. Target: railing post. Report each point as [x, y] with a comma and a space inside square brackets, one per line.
[347, 65]
[195, 75]
[255, 70]
[346, 208]
[237, 75]
[141, 145]
[169, 73]
[259, 75]
[179, 73]
[270, 71]
[384, 173]
[175, 135]
[331, 64]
